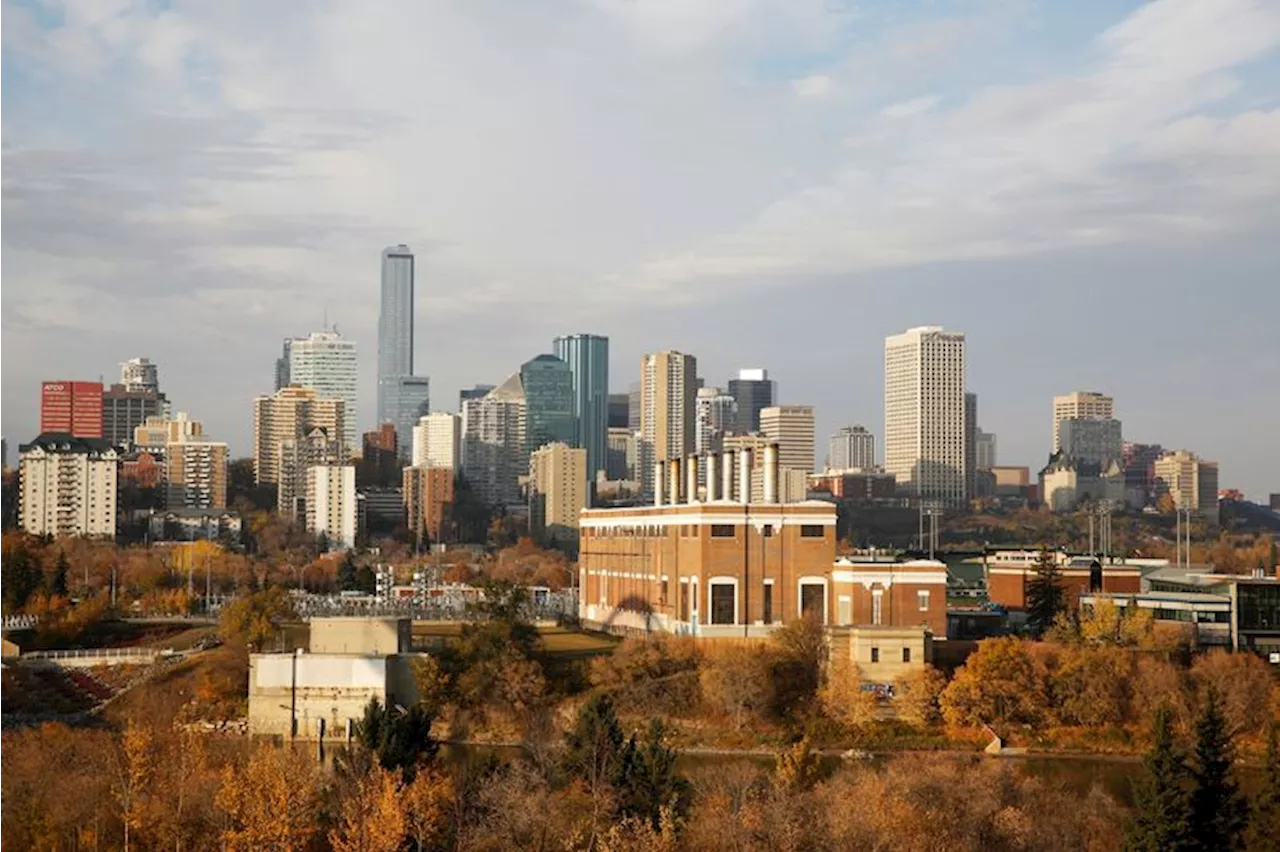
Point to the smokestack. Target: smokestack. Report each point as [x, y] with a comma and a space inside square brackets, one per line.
[659, 482]
[673, 473]
[771, 473]
[726, 476]
[691, 479]
[744, 475]
[712, 483]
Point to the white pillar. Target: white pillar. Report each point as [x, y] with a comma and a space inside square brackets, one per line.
[744, 475]
[726, 476]
[771, 473]
[712, 483]
[673, 481]
[659, 482]
[691, 479]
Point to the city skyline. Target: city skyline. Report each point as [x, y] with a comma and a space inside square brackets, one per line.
[735, 264]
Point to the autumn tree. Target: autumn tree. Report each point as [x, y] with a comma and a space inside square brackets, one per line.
[1001, 682]
[1045, 597]
[1242, 683]
[134, 777]
[1264, 818]
[1092, 685]
[427, 802]
[371, 818]
[796, 767]
[917, 696]
[799, 649]
[251, 619]
[272, 802]
[842, 696]
[1219, 813]
[734, 679]
[1162, 803]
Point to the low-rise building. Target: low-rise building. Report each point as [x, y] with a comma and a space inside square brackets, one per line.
[428, 495]
[856, 486]
[1254, 602]
[194, 524]
[1010, 572]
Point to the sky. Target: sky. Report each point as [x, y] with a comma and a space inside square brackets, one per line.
[1089, 190]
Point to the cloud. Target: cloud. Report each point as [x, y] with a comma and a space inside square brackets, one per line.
[815, 86]
[915, 106]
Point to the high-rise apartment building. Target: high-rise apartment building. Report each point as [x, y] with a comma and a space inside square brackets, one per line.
[288, 415]
[494, 450]
[668, 409]
[924, 440]
[71, 408]
[196, 475]
[428, 495]
[437, 441]
[633, 406]
[157, 432]
[325, 362]
[282, 365]
[717, 413]
[331, 504]
[476, 392]
[549, 401]
[297, 457]
[791, 427]
[753, 391]
[985, 450]
[588, 358]
[395, 327]
[1080, 405]
[139, 374]
[557, 491]
[67, 486]
[1190, 481]
[623, 457]
[851, 448]
[1094, 440]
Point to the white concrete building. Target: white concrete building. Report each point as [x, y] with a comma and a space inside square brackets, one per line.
[437, 441]
[851, 448]
[331, 504]
[494, 455]
[67, 486]
[1079, 405]
[717, 412]
[325, 362]
[668, 409]
[924, 413]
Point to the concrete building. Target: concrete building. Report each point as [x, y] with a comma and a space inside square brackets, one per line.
[924, 413]
[588, 358]
[1191, 482]
[1080, 405]
[557, 492]
[297, 457]
[619, 410]
[428, 496]
[476, 392]
[395, 331]
[139, 374]
[548, 402]
[970, 445]
[67, 486]
[985, 450]
[623, 458]
[1010, 572]
[409, 401]
[196, 475]
[322, 693]
[717, 414]
[633, 406]
[195, 525]
[159, 431]
[668, 409]
[753, 391]
[1095, 440]
[791, 427]
[851, 448]
[127, 405]
[331, 504]
[325, 362]
[1065, 482]
[437, 441]
[1252, 605]
[71, 408]
[856, 486]
[1139, 471]
[289, 415]
[494, 451]
[792, 483]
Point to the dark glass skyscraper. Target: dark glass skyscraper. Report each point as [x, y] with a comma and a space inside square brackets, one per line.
[753, 391]
[548, 397]
[587, 356]
[395, 328]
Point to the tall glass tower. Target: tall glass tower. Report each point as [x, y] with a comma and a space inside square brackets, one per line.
[588, 358]
[548, 398]
[395, 328]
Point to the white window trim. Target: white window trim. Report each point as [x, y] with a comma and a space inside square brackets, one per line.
[841, 602]
[877, 607]
[922, 597]
[811, 581]
[724, 581]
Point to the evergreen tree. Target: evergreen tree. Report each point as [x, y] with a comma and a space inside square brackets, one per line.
[1162, 803]
[347, 573]
[594, 745]
[400, 739]
[19, 577]
[1219, 813]
[1264, 822]
[366, 581]
[1045, 597]
[58, 585]
[647, 780]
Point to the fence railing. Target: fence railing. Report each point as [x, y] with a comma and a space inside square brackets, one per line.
[141, 654]
[19, 622]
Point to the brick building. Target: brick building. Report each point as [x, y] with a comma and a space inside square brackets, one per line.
[1009, 572]
[427, 495]
[71, 408]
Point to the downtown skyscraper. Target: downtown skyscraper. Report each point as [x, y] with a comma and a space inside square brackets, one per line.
[403, 398]
[588, 358]
[325, 362]
[924, 413]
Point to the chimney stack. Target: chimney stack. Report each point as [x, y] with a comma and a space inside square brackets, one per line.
[673, 473]
[712, 483]
[771, 473]
[659, 482]
[691, 479]
[744, 475]
[726, 476]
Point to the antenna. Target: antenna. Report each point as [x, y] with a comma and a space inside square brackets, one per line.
[326, 315]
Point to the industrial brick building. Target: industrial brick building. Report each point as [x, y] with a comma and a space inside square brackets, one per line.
[1009, 572]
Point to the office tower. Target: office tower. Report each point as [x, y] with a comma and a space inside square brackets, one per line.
[588, 358]
[754, 392]
[1091, 440]
[791, 427]
[287, 415]
[924, 435]
[282, 364]
[633, 406]
[196, 475]
[557, 492]
[717, 412]
[124, 409]
[71, 408]
[428, 495]
[970, 444]
[1190, 481]
[409, 403]
[325, 362]
[494, 452]
[67, 486]
[437, 441]
[549, 401]
[158, 431]
[297, 457]
[622, 456]
[395, 329]
[985, 450]
[331, 505]
[668, 409]
[1080, 405]
[1139, 473]
[139, 374]
[851, 448]
[379, 457]
[619, 411]
[476, 392]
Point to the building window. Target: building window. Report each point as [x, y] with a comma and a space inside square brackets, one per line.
[875, 655]
[845, 607]
[723, 603]
[906, 655]
[923, 598]
[768, 603]
[767, 531]
[722, 530]
[813, 601]
[877, 598]
[811, 531]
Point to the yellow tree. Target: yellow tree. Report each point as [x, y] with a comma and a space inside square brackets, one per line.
[427, 803]
[270, 803]
[1001, 682]
[134, 770]
[917, 694]
[372, 819]
[842, 696]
